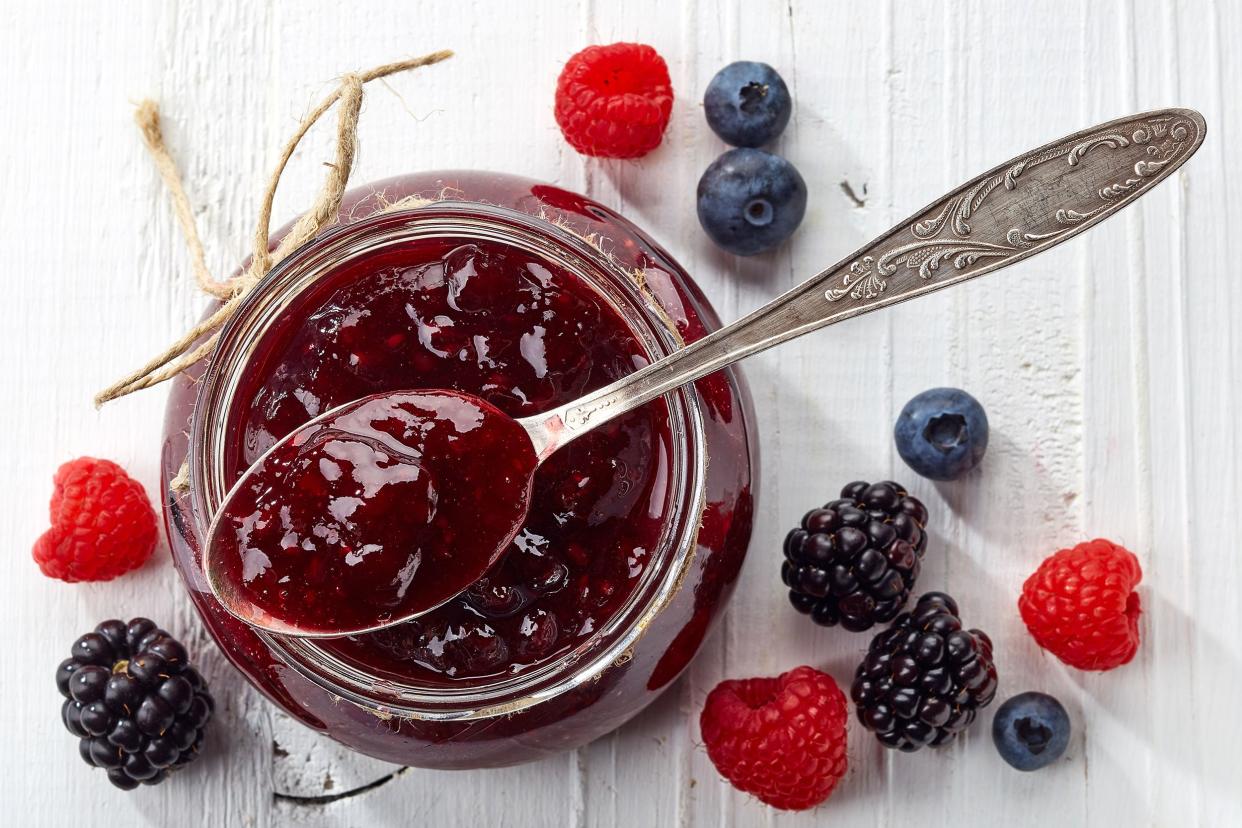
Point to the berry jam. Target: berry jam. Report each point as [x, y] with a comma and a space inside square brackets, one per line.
[388, 507]
[524, 335]
[635, 534]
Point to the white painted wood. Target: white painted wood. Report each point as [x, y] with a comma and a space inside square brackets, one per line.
[1110, 368]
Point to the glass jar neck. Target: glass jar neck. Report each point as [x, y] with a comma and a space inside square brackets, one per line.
[243, 337]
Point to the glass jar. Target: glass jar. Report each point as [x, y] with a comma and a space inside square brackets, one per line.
[608, 675]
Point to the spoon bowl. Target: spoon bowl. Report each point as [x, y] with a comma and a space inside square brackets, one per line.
[375, 512]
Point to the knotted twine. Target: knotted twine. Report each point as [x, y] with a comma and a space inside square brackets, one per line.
[184, 352]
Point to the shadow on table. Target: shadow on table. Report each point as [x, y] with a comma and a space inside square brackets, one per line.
[1029, 489]
[1187, 649]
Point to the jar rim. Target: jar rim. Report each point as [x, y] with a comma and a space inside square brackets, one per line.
[536, 235]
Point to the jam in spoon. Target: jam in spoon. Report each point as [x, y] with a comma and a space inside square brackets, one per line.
[386, 507]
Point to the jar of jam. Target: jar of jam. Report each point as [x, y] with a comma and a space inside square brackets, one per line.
[528, 296]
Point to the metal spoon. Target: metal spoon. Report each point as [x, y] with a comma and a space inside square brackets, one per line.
[1022, 207]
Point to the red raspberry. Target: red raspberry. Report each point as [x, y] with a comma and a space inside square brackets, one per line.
[614, 101]
[102, 523]
[1081, 606]
[781, 739]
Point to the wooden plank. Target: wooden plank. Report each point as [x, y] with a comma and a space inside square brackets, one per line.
[1195, 304]
[97, 282]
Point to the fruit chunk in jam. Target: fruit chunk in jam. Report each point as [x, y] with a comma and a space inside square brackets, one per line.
[388, 507]
[524, 335]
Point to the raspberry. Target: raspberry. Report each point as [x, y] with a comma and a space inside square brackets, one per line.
[614, 101]
[102, 523]
[781, 739]
[1081, 606]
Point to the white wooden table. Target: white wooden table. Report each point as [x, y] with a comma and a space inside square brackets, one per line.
[1110, 369]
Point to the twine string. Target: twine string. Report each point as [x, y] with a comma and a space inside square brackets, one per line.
[147, 117]
[188, 349]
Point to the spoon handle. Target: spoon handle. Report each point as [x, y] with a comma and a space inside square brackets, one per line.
[1013, 211]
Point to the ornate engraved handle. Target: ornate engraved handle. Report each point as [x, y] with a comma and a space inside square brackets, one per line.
[1016, 210]
[1026, 205]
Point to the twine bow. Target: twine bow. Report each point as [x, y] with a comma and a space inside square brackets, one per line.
[184, 352]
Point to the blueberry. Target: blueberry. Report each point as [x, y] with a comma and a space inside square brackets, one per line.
[942, 433]
[1031, 730]
[747, 104]
[750, 200]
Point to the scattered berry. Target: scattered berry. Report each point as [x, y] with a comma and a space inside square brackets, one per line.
[1031, 730]
[136, 705]
[614, 101]
[854, 561]
[942, 433]
[102, 523]
[747, 104]
[1080, 605]
[924, 678]
[750, 201]
[781, 739]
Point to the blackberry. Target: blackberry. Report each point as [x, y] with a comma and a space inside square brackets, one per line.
[136, 705]
[854, 561]
[924, 678]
